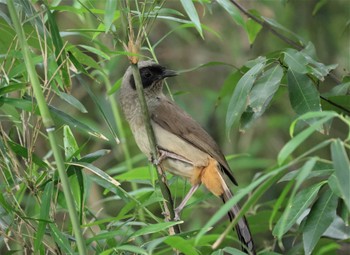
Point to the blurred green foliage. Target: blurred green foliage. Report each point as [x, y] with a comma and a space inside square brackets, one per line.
[270, 82]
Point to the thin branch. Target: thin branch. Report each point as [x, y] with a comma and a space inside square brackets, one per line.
[267, 26]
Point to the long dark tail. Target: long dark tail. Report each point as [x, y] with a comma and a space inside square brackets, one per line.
[242, 227]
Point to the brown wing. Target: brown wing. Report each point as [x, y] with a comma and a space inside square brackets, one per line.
[175, 120]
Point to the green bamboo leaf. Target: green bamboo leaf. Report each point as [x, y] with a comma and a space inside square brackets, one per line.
[342, 170]
[60, 239]
[321, 216]
[111, 6]
[297, 207]
[95, 170]
[91, 157]
[239, 98]
[303, 95]
[153, 228]
[44, 215]
[192, 14]
[184, 246]
[285, 220]
[115, 87]
[58, 47]
[12, 87]
[72, 101]
[96, 51]
[233, 11]
[23, 152]
[139, 173]
[132, 249]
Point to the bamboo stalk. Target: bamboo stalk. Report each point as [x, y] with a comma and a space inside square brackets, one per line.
[50, 127]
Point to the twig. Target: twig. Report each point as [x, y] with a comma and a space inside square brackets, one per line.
[168, 201]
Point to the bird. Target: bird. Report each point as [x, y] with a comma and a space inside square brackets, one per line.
[185, 148]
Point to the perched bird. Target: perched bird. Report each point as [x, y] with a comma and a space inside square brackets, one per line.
[185, 148]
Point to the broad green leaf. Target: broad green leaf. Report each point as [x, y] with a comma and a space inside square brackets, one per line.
[297, 207]
[233, 11]
[296, 141]
[303, 95]
[253, 28]
[262, 93]
[229, 250]
[111, 6]
[44, 216]
[73, 101]
[342, 169]
[295, 60]
[153, 228]
[184, 246]
[321, 216]
[238, 101]
[192, 14]
[275, 24]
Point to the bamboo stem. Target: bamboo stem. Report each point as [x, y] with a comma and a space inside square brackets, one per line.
[50, 127]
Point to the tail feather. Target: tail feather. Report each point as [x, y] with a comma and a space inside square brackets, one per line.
[242, 227]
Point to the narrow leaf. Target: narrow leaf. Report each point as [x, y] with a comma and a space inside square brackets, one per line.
[184, 246]
[44, 215]
[192, 14]
[321, 216]
[295, 142]
[233, 11]
[163, 226]
[95, 170]
[111, 6]
[342, 170]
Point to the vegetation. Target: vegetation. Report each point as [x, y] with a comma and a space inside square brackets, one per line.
[268, 79]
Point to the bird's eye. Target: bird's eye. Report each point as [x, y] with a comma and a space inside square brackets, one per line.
[147, 74]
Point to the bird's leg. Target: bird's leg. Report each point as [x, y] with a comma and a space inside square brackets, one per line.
[166, 154]
[185, 200]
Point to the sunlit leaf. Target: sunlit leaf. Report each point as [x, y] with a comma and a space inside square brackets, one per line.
[153, 228]
[73, 101]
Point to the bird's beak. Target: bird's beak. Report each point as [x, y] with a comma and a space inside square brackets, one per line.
[168, 73]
